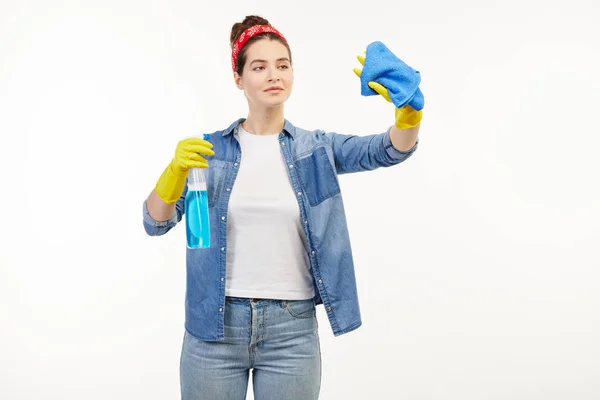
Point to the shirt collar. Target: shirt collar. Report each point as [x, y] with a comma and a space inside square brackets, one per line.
[288, 128]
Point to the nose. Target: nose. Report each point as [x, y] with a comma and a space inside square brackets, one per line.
[273, 77]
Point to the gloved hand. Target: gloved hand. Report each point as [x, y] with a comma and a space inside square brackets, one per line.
[171, 183]
[406, 117]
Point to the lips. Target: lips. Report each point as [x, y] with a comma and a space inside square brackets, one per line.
[274, 89]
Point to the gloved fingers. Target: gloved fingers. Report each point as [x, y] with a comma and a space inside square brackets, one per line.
[195, 157]
[196, 141]
[199, 148]
[198, 164]
[381, 90]
[361, 60]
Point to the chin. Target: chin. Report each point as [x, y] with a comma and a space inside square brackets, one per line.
[274, 103]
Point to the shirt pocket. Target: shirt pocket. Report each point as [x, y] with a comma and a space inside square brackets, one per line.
[215, 179]
[317, 177]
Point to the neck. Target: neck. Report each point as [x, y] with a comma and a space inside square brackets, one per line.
[264, 122]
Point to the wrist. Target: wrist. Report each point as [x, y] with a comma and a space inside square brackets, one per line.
[170, 185]
[407, 117]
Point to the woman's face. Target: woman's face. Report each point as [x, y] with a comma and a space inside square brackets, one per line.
[267, 77]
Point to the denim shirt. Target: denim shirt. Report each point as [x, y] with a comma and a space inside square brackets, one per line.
[314, 159]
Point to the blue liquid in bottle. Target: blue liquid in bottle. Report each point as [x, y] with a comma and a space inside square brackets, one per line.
[197, 222]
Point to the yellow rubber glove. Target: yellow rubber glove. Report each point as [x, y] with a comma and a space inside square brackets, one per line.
[406, 117]
[171, 183]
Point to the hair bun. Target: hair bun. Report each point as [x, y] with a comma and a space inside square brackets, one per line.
[248, 22]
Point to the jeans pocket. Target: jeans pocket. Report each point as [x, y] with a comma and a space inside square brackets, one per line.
[301, 308]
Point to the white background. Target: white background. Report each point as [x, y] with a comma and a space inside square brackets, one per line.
[477, 260]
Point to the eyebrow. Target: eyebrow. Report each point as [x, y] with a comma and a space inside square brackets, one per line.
[279, 59]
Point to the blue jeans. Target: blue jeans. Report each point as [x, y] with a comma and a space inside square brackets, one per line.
[277, 339]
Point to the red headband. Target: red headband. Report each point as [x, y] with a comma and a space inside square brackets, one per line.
[247, 34]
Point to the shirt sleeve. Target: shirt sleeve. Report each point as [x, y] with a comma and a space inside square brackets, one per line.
[157, 228]
[354, 153]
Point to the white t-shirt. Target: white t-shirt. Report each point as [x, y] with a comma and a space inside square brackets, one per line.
[267, 253]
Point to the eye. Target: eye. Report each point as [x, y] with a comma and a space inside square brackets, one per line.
[257, 68]
[284, 66]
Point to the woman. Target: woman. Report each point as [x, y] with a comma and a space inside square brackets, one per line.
[280, 243]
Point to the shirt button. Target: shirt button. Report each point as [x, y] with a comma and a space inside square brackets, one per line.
[314, 252]
[291, 165]
[222, 248]
[223, 218]
[220, 309]
[328, 308]
[228, 189]
[235, 165]
[283, 143]
[299, 193]
[305, 222]
[222, 279]
[320, 281]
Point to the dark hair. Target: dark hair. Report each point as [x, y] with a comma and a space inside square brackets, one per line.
[240, 27]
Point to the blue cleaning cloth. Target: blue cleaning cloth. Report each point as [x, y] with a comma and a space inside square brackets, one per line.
[401, 81]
